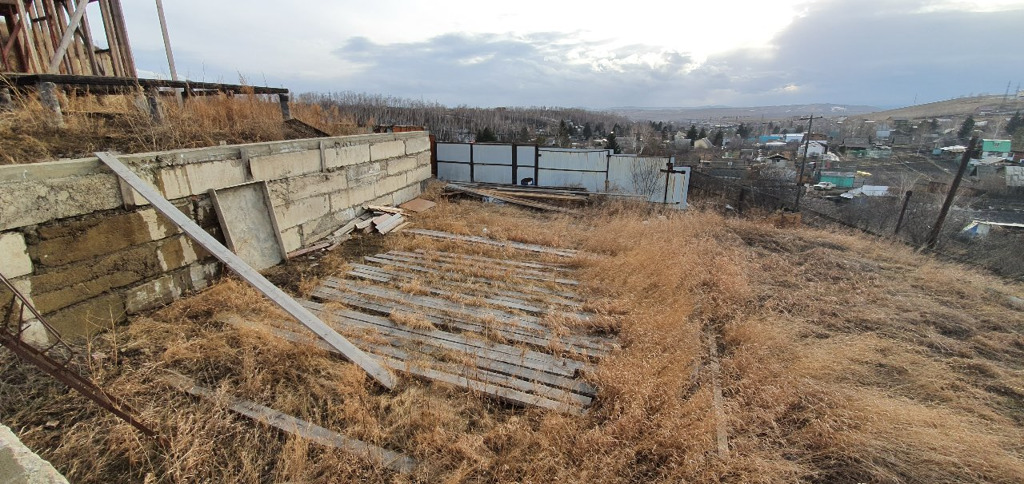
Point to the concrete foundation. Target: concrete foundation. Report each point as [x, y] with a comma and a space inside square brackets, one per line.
[88, 250]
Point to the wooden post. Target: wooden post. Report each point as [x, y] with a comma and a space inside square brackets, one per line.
[69, 36]
[167, 40]
[154, 106]
[48, 97]
[903, 211]
[933, 237]
[286, 110]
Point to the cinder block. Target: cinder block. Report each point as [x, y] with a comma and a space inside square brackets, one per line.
[14, 259]
[80, 240]
[218, 174]
[176, 252]
[365, 173]
[346, 155]
[387, 149]
[388, 199]
[406, 194]
[173, 182]
[86, 318]
[39, 201]
[389, 185]
[295, 213]
[423, 158]
[401, 165]
[283, 165]
[418, 175]
[360, 195]
[297, 188]
[158, 292]
[292, 239]
[417, 145]
[202, 275]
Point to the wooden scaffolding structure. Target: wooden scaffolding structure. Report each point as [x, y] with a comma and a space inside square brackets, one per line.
[54, 37]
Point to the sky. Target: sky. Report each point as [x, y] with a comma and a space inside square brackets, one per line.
[597, 55]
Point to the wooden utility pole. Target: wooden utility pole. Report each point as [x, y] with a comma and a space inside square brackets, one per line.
[800, 177]
[933, 237]
[899, 221]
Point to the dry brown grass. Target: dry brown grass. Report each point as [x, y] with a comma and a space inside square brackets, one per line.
[118, 123]
[844, 359]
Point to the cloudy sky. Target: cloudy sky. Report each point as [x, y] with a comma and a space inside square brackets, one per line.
[597, 54]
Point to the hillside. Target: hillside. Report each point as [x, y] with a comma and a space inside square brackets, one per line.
[748, 354]
[951, 108]
[740, 113]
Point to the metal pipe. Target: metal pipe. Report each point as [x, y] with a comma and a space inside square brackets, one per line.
[167, 39]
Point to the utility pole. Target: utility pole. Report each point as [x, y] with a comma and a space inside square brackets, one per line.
[800, 177]
[903, 211]
[933, 237]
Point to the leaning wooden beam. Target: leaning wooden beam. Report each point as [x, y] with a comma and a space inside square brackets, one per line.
[497, 243]
[510, 199]
[69, 35]
[254, 278]
[295, 426]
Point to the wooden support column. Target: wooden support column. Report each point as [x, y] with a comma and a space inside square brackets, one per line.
[69, 36]
[124, 44]
[286, 110]
[32, 63]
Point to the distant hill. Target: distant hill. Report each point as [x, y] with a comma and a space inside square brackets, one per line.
[741, 113]
[951, 108]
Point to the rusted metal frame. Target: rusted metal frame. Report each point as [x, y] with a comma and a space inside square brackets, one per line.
[112, 45]
[57, 369]
[68, 38]
[55, 25]
[30, 43]
[38, 32]
[15, 30]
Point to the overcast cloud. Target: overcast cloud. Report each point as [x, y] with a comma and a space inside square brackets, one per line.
[874, 52]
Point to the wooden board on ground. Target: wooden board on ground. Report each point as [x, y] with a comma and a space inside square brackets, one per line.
[248, 223]
[295, 426]
[496, 243]
[418, 205]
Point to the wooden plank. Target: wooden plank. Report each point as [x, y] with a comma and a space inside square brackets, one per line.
[390, 223]
[511, 304]
[69, 35]
[408, 360]
[524, 274]
[508, 332]
[521, 324]
[418, 205]
[510, 199]
[295, 426]
[385, 209]
[521, 357]
[480, 357]
[496, 243]
[236, 264]
[314, 248]
[547, 274]
[491, 289]
[531, 265]
[419, 268]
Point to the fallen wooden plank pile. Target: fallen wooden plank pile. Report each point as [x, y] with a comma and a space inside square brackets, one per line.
[496, 243]
[520, 196]
[379, 218]
[433, 315]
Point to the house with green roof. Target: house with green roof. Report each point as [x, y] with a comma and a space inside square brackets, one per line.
[995, 147]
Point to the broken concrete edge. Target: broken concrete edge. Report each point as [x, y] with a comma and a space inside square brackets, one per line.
[18, 464]
[92, 165]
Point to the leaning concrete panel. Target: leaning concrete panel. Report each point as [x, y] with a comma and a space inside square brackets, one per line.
[247, 219]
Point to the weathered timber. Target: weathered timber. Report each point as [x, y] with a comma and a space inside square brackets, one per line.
[496, 243]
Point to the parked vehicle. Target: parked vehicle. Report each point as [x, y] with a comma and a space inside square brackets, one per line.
[824, 186]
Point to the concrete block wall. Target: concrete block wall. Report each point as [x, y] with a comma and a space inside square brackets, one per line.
[88, 250]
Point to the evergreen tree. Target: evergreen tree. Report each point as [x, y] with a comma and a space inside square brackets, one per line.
[562, 138]
[692, 133]
[743, 131]
[966, 128]
[486, 135]
[934, 126]
[703, 134]
[1015, 123]
[612, 144]
[719, 137]
[524, 135]
[587, 132]
[785, 132]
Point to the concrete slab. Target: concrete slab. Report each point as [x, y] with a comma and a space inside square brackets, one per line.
[247, 220]
[19, 465]
[14, 260]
